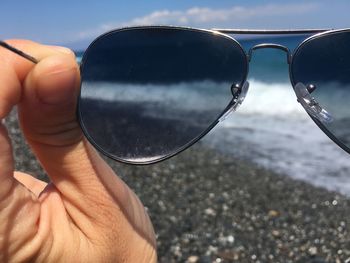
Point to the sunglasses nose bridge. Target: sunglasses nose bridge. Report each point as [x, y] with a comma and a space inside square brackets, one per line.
[270, 45]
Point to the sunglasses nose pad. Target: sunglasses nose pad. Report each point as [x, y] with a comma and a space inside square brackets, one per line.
[310, 104]
[239, 93]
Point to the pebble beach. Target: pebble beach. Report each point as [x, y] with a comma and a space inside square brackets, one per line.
[210, 207]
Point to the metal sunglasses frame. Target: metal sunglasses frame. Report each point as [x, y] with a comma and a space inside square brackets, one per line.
[314, 34]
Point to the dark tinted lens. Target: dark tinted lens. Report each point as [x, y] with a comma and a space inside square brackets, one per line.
[324, 61]
[149, 92]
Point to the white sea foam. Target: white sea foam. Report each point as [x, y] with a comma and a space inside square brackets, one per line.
[272, 130]
[274, 99]
[202, 95]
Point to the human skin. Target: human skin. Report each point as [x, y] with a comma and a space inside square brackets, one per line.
[86, 213]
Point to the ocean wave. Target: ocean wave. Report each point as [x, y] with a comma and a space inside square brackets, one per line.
[286, 141]
[270, 128]
[274, 99]
[203, 95]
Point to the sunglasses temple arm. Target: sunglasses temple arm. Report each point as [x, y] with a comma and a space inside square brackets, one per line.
[311, 105]
[18, 52]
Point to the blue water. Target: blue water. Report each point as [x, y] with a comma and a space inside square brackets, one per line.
[271, 129]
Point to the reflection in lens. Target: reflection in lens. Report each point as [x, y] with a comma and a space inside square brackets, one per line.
[324, 61]
[147, 93]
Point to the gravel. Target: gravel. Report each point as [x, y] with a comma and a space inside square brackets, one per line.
[208, 207]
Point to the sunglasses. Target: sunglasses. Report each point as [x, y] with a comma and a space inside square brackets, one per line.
[148, 93]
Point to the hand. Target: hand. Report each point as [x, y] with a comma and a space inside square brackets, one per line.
[86, 213]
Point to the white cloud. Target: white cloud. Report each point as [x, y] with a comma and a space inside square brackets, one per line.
[209, 17]
[198, 15]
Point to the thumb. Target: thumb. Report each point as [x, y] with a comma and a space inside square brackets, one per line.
[47, 109]
[47, 114]
[87, 184]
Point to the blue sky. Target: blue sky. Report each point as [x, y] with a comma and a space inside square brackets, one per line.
[76, 23]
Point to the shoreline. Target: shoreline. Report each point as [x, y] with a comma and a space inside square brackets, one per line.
[206, 205]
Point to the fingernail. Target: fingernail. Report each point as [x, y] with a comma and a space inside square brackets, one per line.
[62, 49]
[57, 87]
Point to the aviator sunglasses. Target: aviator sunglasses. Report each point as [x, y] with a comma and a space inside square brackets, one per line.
[148, 93]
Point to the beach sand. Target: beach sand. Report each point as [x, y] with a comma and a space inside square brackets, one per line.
[208, 207]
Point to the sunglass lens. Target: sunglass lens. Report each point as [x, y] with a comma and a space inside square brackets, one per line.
[148, 93]
[322, 66]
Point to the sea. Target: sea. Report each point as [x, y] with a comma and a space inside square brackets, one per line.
[272, 130]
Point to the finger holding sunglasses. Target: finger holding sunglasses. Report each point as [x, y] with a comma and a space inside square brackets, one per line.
[86, 212]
